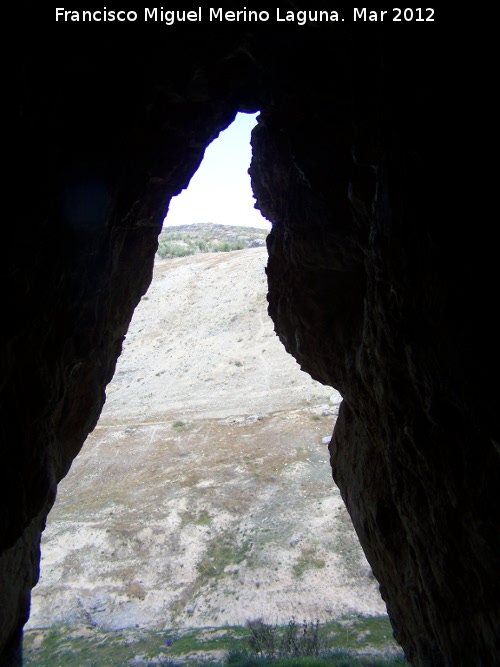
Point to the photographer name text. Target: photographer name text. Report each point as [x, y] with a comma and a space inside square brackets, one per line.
[219, 14]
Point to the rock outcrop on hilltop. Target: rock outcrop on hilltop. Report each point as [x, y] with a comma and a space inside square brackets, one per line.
[381, 283]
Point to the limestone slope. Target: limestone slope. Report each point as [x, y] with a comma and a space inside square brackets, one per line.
[204, 496]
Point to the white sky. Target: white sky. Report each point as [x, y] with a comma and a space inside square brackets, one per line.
[220, 190]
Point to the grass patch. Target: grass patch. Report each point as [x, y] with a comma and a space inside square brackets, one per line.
[307, 560]
[65, 646]
[328, 659]
[225, 639]
[222, 552]
[201, 518]
[330, 644]
[179, 425]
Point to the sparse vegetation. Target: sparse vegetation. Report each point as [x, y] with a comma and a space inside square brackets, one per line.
[189, 246]
[310, 644]
[306, 645]
[223, 552]
[172, 249]
[201, 518]
[335, 658]
[307, 559]
[193, 239]
[135, 590]
[270, 641]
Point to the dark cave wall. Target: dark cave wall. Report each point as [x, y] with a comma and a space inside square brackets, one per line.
[108, 152]
[373, 287]
[376, 288]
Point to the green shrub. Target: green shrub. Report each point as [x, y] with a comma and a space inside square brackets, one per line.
[168, 249]
[241, 658]
[272, 642]
[178, 245]
[226, 246]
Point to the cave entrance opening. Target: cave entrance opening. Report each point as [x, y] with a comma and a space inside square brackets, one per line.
[210, 447]
[220, 191]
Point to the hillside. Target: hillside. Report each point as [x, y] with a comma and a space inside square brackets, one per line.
[204, 496]
[186, 240]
